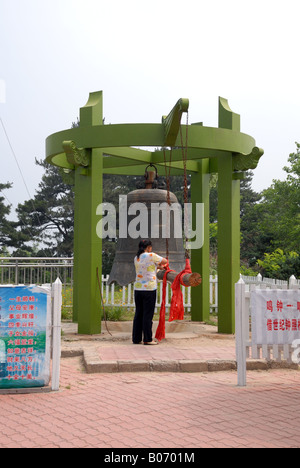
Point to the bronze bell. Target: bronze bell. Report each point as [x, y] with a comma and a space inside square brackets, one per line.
[163, 242]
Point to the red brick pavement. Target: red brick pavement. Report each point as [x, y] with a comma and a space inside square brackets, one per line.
[156, 410]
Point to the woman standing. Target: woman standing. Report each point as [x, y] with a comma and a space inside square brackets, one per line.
[145, 288]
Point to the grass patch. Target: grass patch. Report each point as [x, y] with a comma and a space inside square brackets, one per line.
[67, 304]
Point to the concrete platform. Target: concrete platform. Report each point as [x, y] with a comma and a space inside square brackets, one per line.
[188, 347]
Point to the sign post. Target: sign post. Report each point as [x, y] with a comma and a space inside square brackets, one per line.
[240, 341]
[56, 333]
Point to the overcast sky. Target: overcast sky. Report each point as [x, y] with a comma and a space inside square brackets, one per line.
[145, 56]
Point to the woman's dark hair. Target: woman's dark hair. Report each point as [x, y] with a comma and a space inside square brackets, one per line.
[142, 246]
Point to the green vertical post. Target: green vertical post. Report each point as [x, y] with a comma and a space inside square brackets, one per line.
[228, 227]
[75, 252]
[87, 245]
[200, 257]
[228, 244]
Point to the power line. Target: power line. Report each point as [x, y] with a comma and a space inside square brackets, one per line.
[14, 155]
[10, 203]
[18, 165]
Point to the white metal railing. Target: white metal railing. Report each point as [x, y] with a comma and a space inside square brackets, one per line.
[37, 270]
[269, 282]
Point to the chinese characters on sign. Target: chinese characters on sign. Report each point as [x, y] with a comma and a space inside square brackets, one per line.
[24, 337]
[275, 316]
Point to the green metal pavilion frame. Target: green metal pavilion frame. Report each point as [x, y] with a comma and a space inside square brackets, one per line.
[94, 149]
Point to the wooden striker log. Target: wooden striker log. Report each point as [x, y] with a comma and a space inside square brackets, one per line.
[190, 279]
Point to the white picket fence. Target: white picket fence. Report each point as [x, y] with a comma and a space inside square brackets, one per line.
[245, 349]
[45, 270]
[111, 297]
[114, 295]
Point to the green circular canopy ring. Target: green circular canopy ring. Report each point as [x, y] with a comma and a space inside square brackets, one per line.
[120, 141]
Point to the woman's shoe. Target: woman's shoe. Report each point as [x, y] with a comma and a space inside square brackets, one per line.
[151, 343]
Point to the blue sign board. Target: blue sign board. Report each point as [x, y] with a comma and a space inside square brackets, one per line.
[25, 325]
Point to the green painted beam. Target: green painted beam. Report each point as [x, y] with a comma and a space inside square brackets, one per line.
[87, 248]
[140, 170]
[87, 245]
[147, 135]
[228, 244]
[132, 154]
[200, 259]
[118, 158]
[112, 162]
[228, 228]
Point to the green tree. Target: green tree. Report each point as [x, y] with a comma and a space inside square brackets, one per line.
[279, 210]
[279, 220]
[9, 236]
[49, 216]
[254, 241]
[280, 265]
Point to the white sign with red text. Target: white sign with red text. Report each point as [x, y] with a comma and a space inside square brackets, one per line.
[275, 316]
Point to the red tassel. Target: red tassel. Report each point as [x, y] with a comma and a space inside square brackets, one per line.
[161, 329]
[177, 307]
